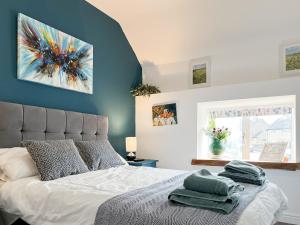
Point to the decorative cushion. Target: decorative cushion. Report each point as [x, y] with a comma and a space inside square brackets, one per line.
[99, 154]
[55, 158]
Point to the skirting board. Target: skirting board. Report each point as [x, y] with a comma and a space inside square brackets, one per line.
[290, 218]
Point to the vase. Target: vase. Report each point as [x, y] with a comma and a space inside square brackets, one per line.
[216, 148]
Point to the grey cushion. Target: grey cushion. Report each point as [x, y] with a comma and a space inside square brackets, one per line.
[98, 154]
[55, 158]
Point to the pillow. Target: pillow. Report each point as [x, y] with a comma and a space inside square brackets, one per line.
[98, 154]
[55, 158]
[122, 160]
[16, 163]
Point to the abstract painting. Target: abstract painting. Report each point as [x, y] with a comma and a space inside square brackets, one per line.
[199, 72]
[51, 57]
[165, 114]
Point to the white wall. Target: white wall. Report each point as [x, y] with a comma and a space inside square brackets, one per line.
[243, 61]
[175, 146]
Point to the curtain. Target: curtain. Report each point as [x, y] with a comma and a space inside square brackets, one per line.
[256, 111]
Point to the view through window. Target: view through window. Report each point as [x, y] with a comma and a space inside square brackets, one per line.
[250, 134]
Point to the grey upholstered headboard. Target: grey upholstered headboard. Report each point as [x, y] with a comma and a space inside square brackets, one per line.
[23, 122]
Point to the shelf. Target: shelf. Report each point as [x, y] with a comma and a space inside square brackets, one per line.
[267, 165]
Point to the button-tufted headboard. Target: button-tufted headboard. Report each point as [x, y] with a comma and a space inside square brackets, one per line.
[23, 122]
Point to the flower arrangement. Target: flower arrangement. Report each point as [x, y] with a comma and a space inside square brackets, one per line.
[218, 137]
[217, 133]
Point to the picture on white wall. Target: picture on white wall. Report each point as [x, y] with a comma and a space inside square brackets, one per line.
[163, 115]
[290, 59]
[199, 75]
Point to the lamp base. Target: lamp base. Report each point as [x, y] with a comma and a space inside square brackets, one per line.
[131, 156]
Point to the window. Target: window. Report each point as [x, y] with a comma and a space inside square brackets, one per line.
[253, 123]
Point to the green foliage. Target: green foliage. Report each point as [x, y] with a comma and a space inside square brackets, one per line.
[144, 90]
[212, 124]
[293, 62]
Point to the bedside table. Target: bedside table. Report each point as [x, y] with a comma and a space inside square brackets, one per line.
[146, 163]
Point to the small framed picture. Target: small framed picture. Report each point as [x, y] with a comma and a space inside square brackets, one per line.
[164, 114]
[290, 59]
[199, 75]
[273, 152]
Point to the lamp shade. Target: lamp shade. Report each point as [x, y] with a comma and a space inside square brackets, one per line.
[131, 144]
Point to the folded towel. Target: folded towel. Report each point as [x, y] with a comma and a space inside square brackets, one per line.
[220, 204]
[242, 167]
[205, 182]
[243, 178]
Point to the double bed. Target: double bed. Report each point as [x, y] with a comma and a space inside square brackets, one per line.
[76, 199]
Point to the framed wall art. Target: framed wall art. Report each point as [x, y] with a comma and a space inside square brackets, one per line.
[273, 152]
[199, 73]
[164, 114]
[290, 59]
[51, 57]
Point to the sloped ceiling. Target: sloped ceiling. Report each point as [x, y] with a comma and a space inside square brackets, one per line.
[166, 31]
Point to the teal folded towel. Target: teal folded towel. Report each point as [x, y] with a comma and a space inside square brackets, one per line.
[244, 168]
[205, 182]
[243, 178]
[244, 172]
[220, 204]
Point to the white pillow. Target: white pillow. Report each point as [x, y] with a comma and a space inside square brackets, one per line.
[16, 163]
[123, 160]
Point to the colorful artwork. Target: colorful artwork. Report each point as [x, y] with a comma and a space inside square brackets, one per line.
[163, 115]
[49, 56]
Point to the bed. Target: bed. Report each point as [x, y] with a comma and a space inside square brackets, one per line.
[75, 199]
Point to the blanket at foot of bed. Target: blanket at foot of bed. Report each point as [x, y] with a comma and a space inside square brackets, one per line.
[150, 205]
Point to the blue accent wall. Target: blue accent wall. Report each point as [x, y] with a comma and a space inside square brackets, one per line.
[116, 68]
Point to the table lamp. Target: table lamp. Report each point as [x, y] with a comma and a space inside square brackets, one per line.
[131, 148]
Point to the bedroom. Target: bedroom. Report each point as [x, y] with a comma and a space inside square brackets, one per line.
[217, 64]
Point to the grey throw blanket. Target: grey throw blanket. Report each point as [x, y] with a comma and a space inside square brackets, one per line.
[150, 206]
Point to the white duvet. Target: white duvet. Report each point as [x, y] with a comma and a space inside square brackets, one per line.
[74, 200]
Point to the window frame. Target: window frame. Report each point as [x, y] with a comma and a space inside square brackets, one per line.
[203, 114]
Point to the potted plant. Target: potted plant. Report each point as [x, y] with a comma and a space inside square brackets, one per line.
[144, 90]
[218, 138]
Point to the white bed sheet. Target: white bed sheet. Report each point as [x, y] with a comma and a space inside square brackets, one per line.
[74, 200]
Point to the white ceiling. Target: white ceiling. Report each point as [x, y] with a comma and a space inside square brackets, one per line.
[166, 31]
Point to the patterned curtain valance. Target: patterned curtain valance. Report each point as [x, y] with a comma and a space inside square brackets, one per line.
[243, 112]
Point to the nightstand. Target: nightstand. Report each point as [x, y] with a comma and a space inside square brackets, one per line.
[146, 163]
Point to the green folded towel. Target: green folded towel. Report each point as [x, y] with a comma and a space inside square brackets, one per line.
[244, 172]
[243, 178]
[242, 167]
[205, 182]
[220, 204]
